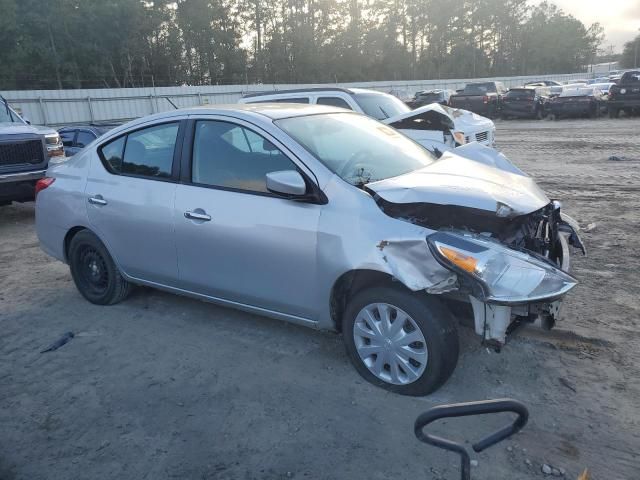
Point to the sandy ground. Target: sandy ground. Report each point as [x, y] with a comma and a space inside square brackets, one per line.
[167, 387]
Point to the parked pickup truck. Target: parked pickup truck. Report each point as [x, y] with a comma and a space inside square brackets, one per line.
[483, 98]
[25, 151]
[625, 95]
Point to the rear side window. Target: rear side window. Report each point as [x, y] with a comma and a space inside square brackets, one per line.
[112, 154]
[147, 152]
[333, 102]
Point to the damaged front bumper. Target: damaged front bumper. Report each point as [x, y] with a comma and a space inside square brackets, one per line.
[527, 287]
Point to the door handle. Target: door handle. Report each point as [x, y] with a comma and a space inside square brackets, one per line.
[97, 200]
[197, 216]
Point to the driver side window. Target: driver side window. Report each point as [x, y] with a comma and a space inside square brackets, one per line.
[231, 156]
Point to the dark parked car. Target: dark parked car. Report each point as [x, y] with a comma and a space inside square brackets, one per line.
[625, 95]
[75, 138]
[525, 102]
[578, 102]
[427, 97]
[483, 98]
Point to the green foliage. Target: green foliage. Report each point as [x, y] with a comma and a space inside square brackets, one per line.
[631, 54]
[134, 43]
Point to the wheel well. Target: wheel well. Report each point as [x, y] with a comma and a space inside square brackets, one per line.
[67, 240]
[350, 283]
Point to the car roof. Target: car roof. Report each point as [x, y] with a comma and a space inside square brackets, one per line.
[302, 91]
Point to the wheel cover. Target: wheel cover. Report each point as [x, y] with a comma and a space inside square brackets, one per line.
[93, 270]
[390, 344]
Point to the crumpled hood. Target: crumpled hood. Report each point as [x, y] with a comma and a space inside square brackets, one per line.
[432, 107]
[14, 128]
[457, 181]
[465, 120]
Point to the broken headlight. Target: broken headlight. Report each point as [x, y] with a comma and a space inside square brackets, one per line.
[503, 275]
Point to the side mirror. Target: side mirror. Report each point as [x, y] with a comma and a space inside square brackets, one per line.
[286, 182]
[26, 120]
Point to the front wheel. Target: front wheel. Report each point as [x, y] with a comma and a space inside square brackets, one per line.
[94, 272]
[402, 341]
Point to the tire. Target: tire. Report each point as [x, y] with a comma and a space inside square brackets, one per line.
[614, 113]
[94, 272]
[426, 317]
[539, 114]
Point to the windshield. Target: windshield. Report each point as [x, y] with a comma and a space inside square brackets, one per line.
[431, 97]
[480, 88]
[521, 93]
[356, 148]
[579, 92]
[380, 106]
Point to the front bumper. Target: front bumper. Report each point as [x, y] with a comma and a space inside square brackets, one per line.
[22, 176]
[19, 187]
[493, 322]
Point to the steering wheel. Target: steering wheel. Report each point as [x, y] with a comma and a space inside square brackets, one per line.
[357, 157]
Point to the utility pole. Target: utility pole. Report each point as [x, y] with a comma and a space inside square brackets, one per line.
[635, 59]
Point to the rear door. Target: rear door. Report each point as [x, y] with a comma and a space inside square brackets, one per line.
[130, 194]
[235, 240]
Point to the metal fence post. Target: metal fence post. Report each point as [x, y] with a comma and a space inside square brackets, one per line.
[90, 109]
[199, 99]
[43, 111]
[153, 110]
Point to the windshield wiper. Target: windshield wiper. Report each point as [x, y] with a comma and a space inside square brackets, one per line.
[386, 115]
[6, 106]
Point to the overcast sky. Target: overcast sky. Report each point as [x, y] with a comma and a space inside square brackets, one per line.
[620, 18]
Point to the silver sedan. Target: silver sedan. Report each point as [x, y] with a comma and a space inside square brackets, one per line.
[316, 216]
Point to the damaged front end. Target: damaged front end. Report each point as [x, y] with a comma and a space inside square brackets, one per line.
[510, 264]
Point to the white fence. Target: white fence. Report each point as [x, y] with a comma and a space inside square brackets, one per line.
[64, 107]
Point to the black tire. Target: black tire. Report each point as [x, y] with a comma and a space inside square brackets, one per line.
[433, 318]
[94, 272]
[539, 114]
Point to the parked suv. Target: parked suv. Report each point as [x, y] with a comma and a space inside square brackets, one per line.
[525, 102]
[317, 216]
[25, 151]
[433, 126]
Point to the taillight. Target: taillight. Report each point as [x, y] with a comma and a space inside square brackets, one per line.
[43, 183]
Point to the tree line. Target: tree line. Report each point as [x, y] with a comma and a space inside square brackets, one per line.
[135, 43]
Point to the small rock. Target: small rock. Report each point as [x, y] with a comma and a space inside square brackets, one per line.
[590, 228]
[509, 449]
[562, 471]
[527, 461]
[555, 472]
[289, 474]
[474, 463]
[546, 469]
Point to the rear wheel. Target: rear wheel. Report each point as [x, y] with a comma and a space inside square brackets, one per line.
[94, 272]
[402, 341]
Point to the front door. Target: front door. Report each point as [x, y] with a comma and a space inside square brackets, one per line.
[130, 196]
[235, 240]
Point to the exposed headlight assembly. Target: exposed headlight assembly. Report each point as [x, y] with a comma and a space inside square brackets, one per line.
[504, 276]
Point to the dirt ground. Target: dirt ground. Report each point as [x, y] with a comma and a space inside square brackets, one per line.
[167, 387]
